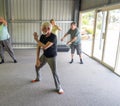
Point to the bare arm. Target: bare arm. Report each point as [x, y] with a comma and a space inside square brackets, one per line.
[71, 41]
[64, 37]
[44, 46]
[59, 28]
[48, 44]
[3, 21]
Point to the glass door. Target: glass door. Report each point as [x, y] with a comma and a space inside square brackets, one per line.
[87, 27]
[117, 66]
[99, 35]
[106, 39]
[112, 37]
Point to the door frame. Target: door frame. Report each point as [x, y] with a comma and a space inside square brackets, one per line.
[107, 9]
[106, 24]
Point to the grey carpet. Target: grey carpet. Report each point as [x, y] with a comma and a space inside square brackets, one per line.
[90, 84]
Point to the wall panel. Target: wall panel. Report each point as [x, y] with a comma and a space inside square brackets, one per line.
[57, 9]
[22, 33]
[26, 16]
[24, 9]
[2, 11]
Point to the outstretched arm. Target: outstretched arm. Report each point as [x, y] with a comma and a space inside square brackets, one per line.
[64, 37]
[71, 41]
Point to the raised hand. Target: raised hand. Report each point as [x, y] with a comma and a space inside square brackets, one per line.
[35, 36]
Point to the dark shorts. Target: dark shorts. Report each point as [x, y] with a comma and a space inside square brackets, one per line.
[77, 47]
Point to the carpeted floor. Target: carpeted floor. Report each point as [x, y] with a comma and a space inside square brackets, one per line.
[90, 84]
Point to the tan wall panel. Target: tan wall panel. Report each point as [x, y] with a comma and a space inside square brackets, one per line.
[2, 8]
[91, 4]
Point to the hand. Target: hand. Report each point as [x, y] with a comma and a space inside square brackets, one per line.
[62, 39]
[1, 20]
[35, 36]
[68, 43]
[37, 63]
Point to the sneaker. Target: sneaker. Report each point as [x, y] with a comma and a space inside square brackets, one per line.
[15, 61]
[60, 91]
[36, 80]
[81, 62]
[71, 61]
[2, 61]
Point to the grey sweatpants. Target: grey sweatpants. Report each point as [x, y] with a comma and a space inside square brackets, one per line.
[6, 45]
[52, 63]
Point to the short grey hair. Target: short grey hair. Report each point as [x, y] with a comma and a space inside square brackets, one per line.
[47, 25]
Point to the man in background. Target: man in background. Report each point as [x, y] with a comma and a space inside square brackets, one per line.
[5, 41]
[75, 41]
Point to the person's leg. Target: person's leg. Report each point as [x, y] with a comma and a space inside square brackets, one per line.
[8, 47]
[52, 64]
[81, 61]
[79, 52]
[37, 68]
[72, 53]
[1, 52]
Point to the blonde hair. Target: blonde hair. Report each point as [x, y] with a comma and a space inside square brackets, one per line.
[51, 20]
[47, 25]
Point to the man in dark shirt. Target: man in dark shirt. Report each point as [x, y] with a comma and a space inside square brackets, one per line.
[52, 50]
[48, 42]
